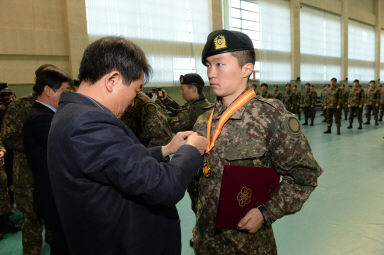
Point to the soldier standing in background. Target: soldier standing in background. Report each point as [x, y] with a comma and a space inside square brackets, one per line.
[264, 91]
[355, 104]
[314, 98]
[297, 100]
[258, 127]
[381, 88]
[372, 99]
[289, 99]
[277, 93]
[11, 136]
[309, 104]
[323, 98]
[254, 86]
[333, 104]
[345, 96]
[148, 122]
[184, 117]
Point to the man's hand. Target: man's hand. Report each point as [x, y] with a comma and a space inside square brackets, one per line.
[177, 141]
[199, 142]
[252, 221]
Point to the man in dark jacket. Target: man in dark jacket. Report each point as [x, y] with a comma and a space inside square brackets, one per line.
[114, 196]
[50, 83]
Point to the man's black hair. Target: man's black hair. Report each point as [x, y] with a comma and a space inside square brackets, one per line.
[334, 79]
[51, 77]
[356, 80]
[42, 67]
[373, 81]
[113, 54]
[264, 85]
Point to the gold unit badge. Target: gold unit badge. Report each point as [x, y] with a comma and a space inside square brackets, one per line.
[244, 197]
[220, 42]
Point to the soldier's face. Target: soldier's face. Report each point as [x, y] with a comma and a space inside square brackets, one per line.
[225, 75]
[371, 84]
[187, 92]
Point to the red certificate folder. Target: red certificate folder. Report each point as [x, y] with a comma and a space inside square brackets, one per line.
[243, 188]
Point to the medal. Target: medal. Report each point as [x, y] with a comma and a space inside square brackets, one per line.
[206, 169]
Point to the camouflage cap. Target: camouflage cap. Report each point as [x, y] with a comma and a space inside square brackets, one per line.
[192, 79]
[221, 41]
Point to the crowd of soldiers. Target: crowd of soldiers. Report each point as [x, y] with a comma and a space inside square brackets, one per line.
[334, 101]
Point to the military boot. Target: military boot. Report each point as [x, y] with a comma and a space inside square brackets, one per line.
[350, 125]
[367, 122]
[328, 131]
[311, 122]
[305, 123]
[360, 126]
[376, 123]
[338, 130]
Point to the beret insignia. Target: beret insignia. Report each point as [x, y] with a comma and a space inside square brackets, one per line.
[220, 42]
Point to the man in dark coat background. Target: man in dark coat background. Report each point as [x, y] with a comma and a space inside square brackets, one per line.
[114, 196]
[49, 85]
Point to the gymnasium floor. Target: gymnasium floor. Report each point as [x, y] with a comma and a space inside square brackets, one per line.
[343, 216]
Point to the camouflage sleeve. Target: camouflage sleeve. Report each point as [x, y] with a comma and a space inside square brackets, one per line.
[314, 98]
[362, 97]
[377, 97]
[183, 121]
[340, 97]
[292, 158]
[155, 126]
[11, 128]
[171, 105]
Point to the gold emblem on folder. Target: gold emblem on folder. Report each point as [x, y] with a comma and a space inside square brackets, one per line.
[244, 197]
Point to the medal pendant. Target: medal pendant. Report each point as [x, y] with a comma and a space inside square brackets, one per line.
[206, 169]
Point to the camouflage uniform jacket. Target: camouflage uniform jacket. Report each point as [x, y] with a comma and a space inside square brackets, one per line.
[4, 196]
[334, 97]
[356, 96]
[323, 96]
[289, 99]
[148, 122]
[345, 96]
[277, 95]
[309, 100]
[12, 138]
[314, 96]
[263, 134]
[297, 97]
[382, 95]
[372, 96]
[266, 94]
[187, 114]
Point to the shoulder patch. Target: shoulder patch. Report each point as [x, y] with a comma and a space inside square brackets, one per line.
[291, 125]
[150, 108]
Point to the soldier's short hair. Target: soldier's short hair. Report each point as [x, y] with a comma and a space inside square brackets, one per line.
[192, 79]
[51, 77]
[276, 86]
[373, 81]
[309, 84]
[288, 84]
[295, 86]
[114, 54]
[334, 79]
[356, 80]
[264, 85]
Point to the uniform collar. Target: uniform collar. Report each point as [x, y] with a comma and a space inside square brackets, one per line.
[220, 108]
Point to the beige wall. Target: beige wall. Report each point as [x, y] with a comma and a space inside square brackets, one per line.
[39, 32]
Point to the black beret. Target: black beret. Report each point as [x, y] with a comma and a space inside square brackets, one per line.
[192, 79]
[221, 41]
[3, 85]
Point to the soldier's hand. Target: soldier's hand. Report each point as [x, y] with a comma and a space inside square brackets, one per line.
[252, 221]
[199, 142]
[177, 141]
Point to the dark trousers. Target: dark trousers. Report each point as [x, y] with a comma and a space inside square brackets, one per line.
[368, 110]
[333, 112]
[381, 110]
[309, 112]
[298, 112]
[355, 110]
[346, 110]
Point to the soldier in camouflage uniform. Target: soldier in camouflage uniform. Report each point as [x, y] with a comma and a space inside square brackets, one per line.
[297, 100]
[345, 96]
[309, 104]
[289, 99]
[381, 88]
[5, 207]
[254, 86]
[262, 133]
[184, 117]
[333, 104]
[323, 98]
[264, 91]
[147, 121]
[277, 94]
[372, 99]
[355, 104]
[12, 138]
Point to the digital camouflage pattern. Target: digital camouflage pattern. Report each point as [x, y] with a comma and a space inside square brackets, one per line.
[309, 103]
[263, 134]
[333, 99]
[184, 117]
[355, 103]
[148, 122]
[372, 99]
[289, 100]
[11, 136]
[265, 94]
[381, 102]
[297, 101]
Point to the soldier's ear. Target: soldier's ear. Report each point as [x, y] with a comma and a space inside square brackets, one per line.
[247, 69]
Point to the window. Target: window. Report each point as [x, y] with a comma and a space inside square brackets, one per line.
[171, 33]
[267, 23]
[361, 51]
[320, 45]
